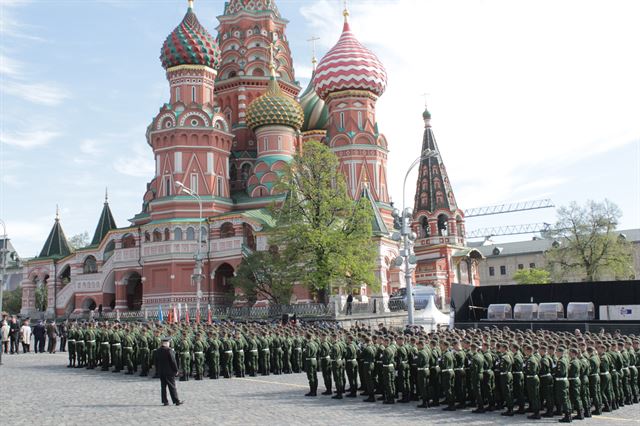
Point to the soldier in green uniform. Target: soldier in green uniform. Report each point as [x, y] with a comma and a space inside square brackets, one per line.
[585, 370]
[606, 390]
[351, 366]
[90, 343]
[325, 363]
[531, 369]
[369, 362]
[143, 351]
[154, 345]
[488, 379]
[240, 344]
[546, 380]
[337, 366]
[434, 374]
[227, 356]
[71, 345]
[105, 348]
[286, 353]
[447, 375]
[311, 364]
[562, 384]
[574, 383]
[276, 353]
[423, 358]
[626, 375]
[505, 379]
[460, 381]
[402, 368]
[388, 376]
[127, 349]
[184, 349]
[476, 370]
[633, 371]
[297, 356]
[594, 380]
[80, 353]
[252, 355]
[198, 356]
[616, 376]
[213, 355]
[518, 378]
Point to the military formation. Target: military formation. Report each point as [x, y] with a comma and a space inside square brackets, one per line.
[546, 374]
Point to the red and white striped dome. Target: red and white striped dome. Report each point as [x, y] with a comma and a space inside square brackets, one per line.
[349, 66]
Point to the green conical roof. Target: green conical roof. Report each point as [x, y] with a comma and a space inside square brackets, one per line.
[105, 225]
[56, 245]
[377, 223]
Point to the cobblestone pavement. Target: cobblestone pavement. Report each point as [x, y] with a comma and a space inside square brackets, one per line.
[39, 389]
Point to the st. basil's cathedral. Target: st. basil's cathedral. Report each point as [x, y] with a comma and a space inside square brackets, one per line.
[235, 117]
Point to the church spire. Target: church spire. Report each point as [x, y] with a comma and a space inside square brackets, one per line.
[56, 245]
[105, 224]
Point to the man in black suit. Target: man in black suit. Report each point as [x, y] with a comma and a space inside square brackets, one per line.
[39, 333]
[167, 369]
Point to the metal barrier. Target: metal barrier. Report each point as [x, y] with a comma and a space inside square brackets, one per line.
[558, 326]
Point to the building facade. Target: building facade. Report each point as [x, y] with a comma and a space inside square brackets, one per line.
[231, 123]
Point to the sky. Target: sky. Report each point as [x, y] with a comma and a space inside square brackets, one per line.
[530, 99]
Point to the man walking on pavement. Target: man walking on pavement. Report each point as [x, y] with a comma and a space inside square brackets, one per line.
[167, 368]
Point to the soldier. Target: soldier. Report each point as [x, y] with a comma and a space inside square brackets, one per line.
[546, 380]
[80, 354]
[518, 378]
[574, 383]
[594, 380]
[71, 342]
[116, 349]
[369, 362]
[422, 365]
[325, 363]
[388, 376]
[337, 366]
[296, 357]
[143, 351]
[460, 381]
[402, 368]
[127, 350]
[447, 375]
[105, 348]
[531, 368]
[488, 381]
[240, 344]
[286, 353]
[351, 366]
[213, 355]
[198, 355]
[90, 338]
[252, 355]
[227, 356]
[434, 374]
[562, 384]
[311, 364]
[633, 372]
[506, 378]
[184, 348]
[476, 370]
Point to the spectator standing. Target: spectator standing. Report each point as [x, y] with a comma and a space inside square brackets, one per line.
[349, 304]
[39, 337]
[14, 334]
[25, 336]
[62, 332]
[4, 333]
[52, 335]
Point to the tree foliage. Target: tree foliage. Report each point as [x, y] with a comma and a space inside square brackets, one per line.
[532, 276]
[79, 241]
[12, 301]
[324, 235]
[267, 274]
[587, 245]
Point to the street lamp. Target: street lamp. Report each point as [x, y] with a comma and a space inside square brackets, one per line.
[197, 269]
[3, 258]
[403, 221]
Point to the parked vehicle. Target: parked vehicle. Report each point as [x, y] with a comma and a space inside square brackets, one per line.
[421, 293]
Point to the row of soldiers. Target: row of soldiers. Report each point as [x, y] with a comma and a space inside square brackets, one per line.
[489, 370]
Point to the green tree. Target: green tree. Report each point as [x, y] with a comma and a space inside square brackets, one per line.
[324, 235]
[265, 274]
[532, 276]
[12, 301]
[587, 244]
[41, 297]
[79, 241]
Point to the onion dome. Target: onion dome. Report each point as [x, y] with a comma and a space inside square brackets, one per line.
[235, 6]
[349, 66]
[316, 113]
[190, 44]
[426, 115]
[274, 108]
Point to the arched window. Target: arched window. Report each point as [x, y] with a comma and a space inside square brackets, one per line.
[177, 234]
[157, 235]
[193, 94]
[258, 72]
[90, 266]
[424, 227]
[108, 250]
[191, 234]
[129, 241]
[442, 225]
[459, 226]
[167, 234]
[227, 231]
[233, 173]
[342, 120]
[245, 171]
[147, 237]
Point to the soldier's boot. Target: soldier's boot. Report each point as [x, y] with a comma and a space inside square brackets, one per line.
[579, 416]
[327, 392]
[508, 413]
[479, 410]
[338, 395]
[566, 418]
[425, 404]
[521, 410]
[535, 415]
[450, 407]
[635, 399]
[310, 393]
[352, 394]
[548, 413]
[587, 413]
[405, 398]
[491, 407]
[369, 399]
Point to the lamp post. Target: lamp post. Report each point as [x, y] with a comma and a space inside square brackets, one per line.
[197, 269]
[3, 259]
[403, 222]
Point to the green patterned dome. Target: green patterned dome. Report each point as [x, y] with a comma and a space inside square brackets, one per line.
[274, 108]
[316, 113]
[426, 114]
[190, 44]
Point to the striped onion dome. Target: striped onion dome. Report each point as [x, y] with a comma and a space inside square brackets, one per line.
[316, 114]
[274, 108]
[235, 6]
[349, 66]
[190, 44]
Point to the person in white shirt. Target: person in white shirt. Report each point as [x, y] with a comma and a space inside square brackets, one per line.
[25, 336]
[4, 333]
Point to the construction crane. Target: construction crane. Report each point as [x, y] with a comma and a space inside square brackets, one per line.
[508, 208]
[531, 228]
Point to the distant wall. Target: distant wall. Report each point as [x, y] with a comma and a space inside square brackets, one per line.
[469, 300]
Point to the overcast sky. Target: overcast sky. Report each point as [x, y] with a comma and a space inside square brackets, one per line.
[530, 99]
